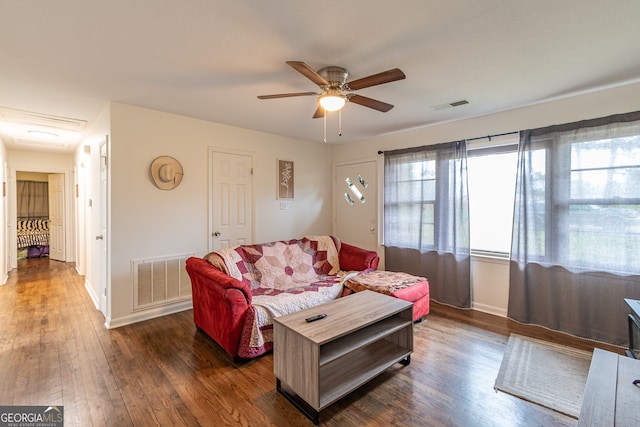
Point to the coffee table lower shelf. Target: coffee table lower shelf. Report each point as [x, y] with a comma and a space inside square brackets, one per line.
[317, 363]
[308, 410]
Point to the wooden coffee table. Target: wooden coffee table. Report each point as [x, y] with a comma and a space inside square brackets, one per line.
[317, 363]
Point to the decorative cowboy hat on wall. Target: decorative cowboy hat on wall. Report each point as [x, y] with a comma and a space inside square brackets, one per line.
[166, 172]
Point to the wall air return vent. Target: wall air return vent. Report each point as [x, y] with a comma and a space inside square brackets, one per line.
[160, 281]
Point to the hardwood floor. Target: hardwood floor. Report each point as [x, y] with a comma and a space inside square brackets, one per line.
[54, 349]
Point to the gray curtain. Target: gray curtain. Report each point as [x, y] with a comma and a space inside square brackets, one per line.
[32, 199]
[576, 231]
[426, 218]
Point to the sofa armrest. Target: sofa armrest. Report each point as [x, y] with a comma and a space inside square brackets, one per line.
[355, 258]
[200, 267]
[220, 303]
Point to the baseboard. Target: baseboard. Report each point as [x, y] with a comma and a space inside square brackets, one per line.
[148, 314]
[92, 295]
[489, 309]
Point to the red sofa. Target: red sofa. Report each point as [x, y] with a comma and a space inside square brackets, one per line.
[223, 305]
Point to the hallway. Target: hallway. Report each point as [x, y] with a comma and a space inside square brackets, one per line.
[50, 352]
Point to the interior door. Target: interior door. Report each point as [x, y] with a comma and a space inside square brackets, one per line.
[102, 238]
[56, 217]
[356, 202]
[5, 232]
[231, 200]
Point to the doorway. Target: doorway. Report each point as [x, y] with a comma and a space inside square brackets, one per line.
[231, 199]
[40, 216]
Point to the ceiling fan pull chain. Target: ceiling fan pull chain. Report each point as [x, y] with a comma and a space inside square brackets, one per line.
[340, 122]
[325, 126]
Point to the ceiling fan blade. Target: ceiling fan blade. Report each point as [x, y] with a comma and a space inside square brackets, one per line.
[376, 79]
[319, 112]
[371, 103]
[308, 72]
[286, 95]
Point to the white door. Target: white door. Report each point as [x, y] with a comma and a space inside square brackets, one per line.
[231, 200]
[102, 237]
[6, 261]
[56, 217]
[356, 202]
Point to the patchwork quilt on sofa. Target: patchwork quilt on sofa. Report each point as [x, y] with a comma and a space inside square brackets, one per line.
[284, 277]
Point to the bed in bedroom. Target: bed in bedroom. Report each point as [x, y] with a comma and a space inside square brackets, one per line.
[33, 237]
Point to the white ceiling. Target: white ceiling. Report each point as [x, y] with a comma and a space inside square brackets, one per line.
[210, 59]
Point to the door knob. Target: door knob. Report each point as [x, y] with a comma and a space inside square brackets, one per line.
[99, 237]
[217, 234]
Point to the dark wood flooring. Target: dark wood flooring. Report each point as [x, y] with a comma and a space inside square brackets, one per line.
[55, 350]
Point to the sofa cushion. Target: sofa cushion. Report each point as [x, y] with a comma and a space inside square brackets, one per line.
[399, 284]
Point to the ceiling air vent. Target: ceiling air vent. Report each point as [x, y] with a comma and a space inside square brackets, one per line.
[450, 104]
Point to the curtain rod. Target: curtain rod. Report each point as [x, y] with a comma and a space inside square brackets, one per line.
[480, 137]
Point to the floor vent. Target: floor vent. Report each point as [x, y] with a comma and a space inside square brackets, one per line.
[160, 281]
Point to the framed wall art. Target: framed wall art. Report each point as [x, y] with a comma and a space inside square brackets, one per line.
[285, 179]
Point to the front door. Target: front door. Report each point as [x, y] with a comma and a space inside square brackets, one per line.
[231, 200]
[356, 202]
[56, 217]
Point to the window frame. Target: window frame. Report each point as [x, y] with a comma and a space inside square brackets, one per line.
[510, 144]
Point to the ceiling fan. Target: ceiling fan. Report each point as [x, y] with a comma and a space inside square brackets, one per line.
[333, 82]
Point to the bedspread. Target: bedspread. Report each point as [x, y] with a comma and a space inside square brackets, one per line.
[32, 232]
[284, 277]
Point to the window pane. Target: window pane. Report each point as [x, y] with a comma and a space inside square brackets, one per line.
[605, 153]
[606, 168]
[604, 236]
[416, 191]
[416, 233]
[491, 191]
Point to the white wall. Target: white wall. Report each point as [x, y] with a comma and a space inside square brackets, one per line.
[490, 278]
[47, 162]
[148, 222]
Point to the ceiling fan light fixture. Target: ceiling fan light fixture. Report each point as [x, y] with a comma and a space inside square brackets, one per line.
[332, 100]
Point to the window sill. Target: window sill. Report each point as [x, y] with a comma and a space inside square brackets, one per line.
[499, 257]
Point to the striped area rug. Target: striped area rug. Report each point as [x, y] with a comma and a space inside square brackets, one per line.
[548, 374]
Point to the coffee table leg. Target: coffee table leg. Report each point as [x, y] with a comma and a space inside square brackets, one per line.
[406, 361]
[302, 406]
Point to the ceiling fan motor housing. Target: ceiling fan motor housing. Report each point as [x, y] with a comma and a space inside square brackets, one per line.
[336, 76]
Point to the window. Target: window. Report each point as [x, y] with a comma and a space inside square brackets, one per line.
[492, 180]
[415, 182]
[598, 211]
[426, 198]
[582, 207]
